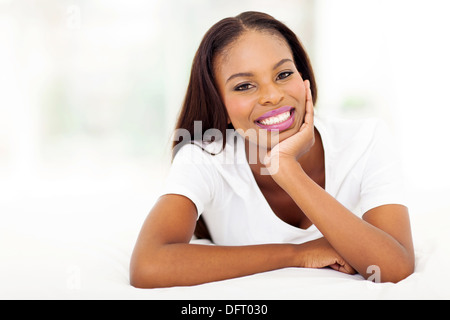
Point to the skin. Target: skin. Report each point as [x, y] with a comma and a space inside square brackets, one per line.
[267, 79]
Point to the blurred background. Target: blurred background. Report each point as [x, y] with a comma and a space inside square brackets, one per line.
[90, 89]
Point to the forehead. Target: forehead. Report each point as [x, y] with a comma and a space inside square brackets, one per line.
[251, 51]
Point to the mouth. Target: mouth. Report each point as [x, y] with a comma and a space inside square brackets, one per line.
[278, 119]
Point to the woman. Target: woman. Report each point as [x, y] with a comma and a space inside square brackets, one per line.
[275, 185]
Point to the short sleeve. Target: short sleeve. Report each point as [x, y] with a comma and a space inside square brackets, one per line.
[382, 180]
[192, 175]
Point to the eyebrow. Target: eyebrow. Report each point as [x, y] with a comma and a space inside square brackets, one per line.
[249, 74]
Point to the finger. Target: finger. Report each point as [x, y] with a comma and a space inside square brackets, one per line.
[346, 268]
[308, 90]
[309, 107]
[339, 268]
[350, 269]
[335, 266]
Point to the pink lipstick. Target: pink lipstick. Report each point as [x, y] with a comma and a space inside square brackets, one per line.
[277, 119]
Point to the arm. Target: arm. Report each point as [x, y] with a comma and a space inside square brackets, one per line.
[163, 256]
[381, 238]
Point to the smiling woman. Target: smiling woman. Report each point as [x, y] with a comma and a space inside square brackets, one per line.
[334, 180]
[272, 80]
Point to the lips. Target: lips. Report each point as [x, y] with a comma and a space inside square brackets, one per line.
[277, 119]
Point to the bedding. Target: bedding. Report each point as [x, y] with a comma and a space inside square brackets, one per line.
[65, 246]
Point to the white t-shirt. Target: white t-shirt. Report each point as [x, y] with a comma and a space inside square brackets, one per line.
[361, 172]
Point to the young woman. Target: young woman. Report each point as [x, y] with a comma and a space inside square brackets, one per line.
[274, 185]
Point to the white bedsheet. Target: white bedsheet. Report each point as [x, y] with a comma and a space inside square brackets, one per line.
[78, 247]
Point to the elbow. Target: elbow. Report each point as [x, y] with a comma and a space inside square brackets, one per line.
[404, 268]
[393, 273]
[403, 271]
[139, 278]
[144, 275]
[152, 269]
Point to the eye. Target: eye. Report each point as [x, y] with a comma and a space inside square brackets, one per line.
[243, 87]
[284, 75]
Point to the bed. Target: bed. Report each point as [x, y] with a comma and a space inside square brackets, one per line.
[66, 246]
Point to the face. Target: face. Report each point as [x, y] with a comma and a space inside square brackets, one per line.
[260, 86]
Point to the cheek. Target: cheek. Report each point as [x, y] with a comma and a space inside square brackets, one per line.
[297, 90]
[238, 109]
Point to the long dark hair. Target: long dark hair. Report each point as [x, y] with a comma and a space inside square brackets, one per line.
[202, 101]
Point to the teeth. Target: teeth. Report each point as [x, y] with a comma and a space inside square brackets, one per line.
[277, 119]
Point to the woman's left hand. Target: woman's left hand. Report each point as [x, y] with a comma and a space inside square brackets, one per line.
[301, 142]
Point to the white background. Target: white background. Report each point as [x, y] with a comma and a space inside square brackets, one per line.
[89, 92]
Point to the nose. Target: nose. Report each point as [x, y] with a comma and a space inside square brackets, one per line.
[270, 94]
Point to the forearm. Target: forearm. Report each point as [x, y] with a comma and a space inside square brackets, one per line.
[358, 242]
[184, 264]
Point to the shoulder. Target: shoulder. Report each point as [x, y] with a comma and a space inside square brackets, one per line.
[205, 156]
[214, 152]
[347, 134]
[192, 153]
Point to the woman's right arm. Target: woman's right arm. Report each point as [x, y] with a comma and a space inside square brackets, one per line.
[163, 256]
